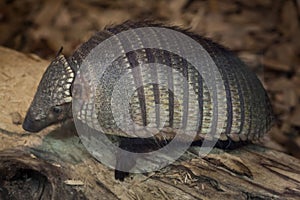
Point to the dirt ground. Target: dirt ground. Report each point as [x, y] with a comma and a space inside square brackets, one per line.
[263, 33]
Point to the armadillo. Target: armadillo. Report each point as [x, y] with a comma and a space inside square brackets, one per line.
[247, 110]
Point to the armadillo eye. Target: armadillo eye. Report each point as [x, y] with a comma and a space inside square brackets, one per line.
[56, 109]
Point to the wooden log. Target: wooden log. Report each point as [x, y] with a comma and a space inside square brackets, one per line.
[53, 164]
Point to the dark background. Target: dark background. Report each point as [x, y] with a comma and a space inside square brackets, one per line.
[264, 33]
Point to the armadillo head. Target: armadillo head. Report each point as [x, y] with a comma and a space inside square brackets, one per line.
[52, 101]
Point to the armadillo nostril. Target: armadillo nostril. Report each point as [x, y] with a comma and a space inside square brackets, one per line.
[28, 125]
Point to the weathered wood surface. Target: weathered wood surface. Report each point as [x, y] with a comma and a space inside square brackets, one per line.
[54, 164]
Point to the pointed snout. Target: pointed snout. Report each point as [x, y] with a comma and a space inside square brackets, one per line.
[30, 125]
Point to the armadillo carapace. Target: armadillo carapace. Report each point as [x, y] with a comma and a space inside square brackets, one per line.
[246, 111]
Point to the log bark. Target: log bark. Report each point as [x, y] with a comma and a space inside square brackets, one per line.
[53, 164]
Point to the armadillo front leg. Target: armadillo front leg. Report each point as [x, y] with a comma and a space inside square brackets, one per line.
[127, 161]
[123, 160]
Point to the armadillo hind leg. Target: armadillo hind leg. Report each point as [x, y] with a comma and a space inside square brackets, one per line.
[228, 144]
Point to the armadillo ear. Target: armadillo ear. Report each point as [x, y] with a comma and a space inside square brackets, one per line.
[60, 58]
[59, 51]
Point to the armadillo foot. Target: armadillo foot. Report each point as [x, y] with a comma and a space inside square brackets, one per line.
[123, 160]
[120, 175]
